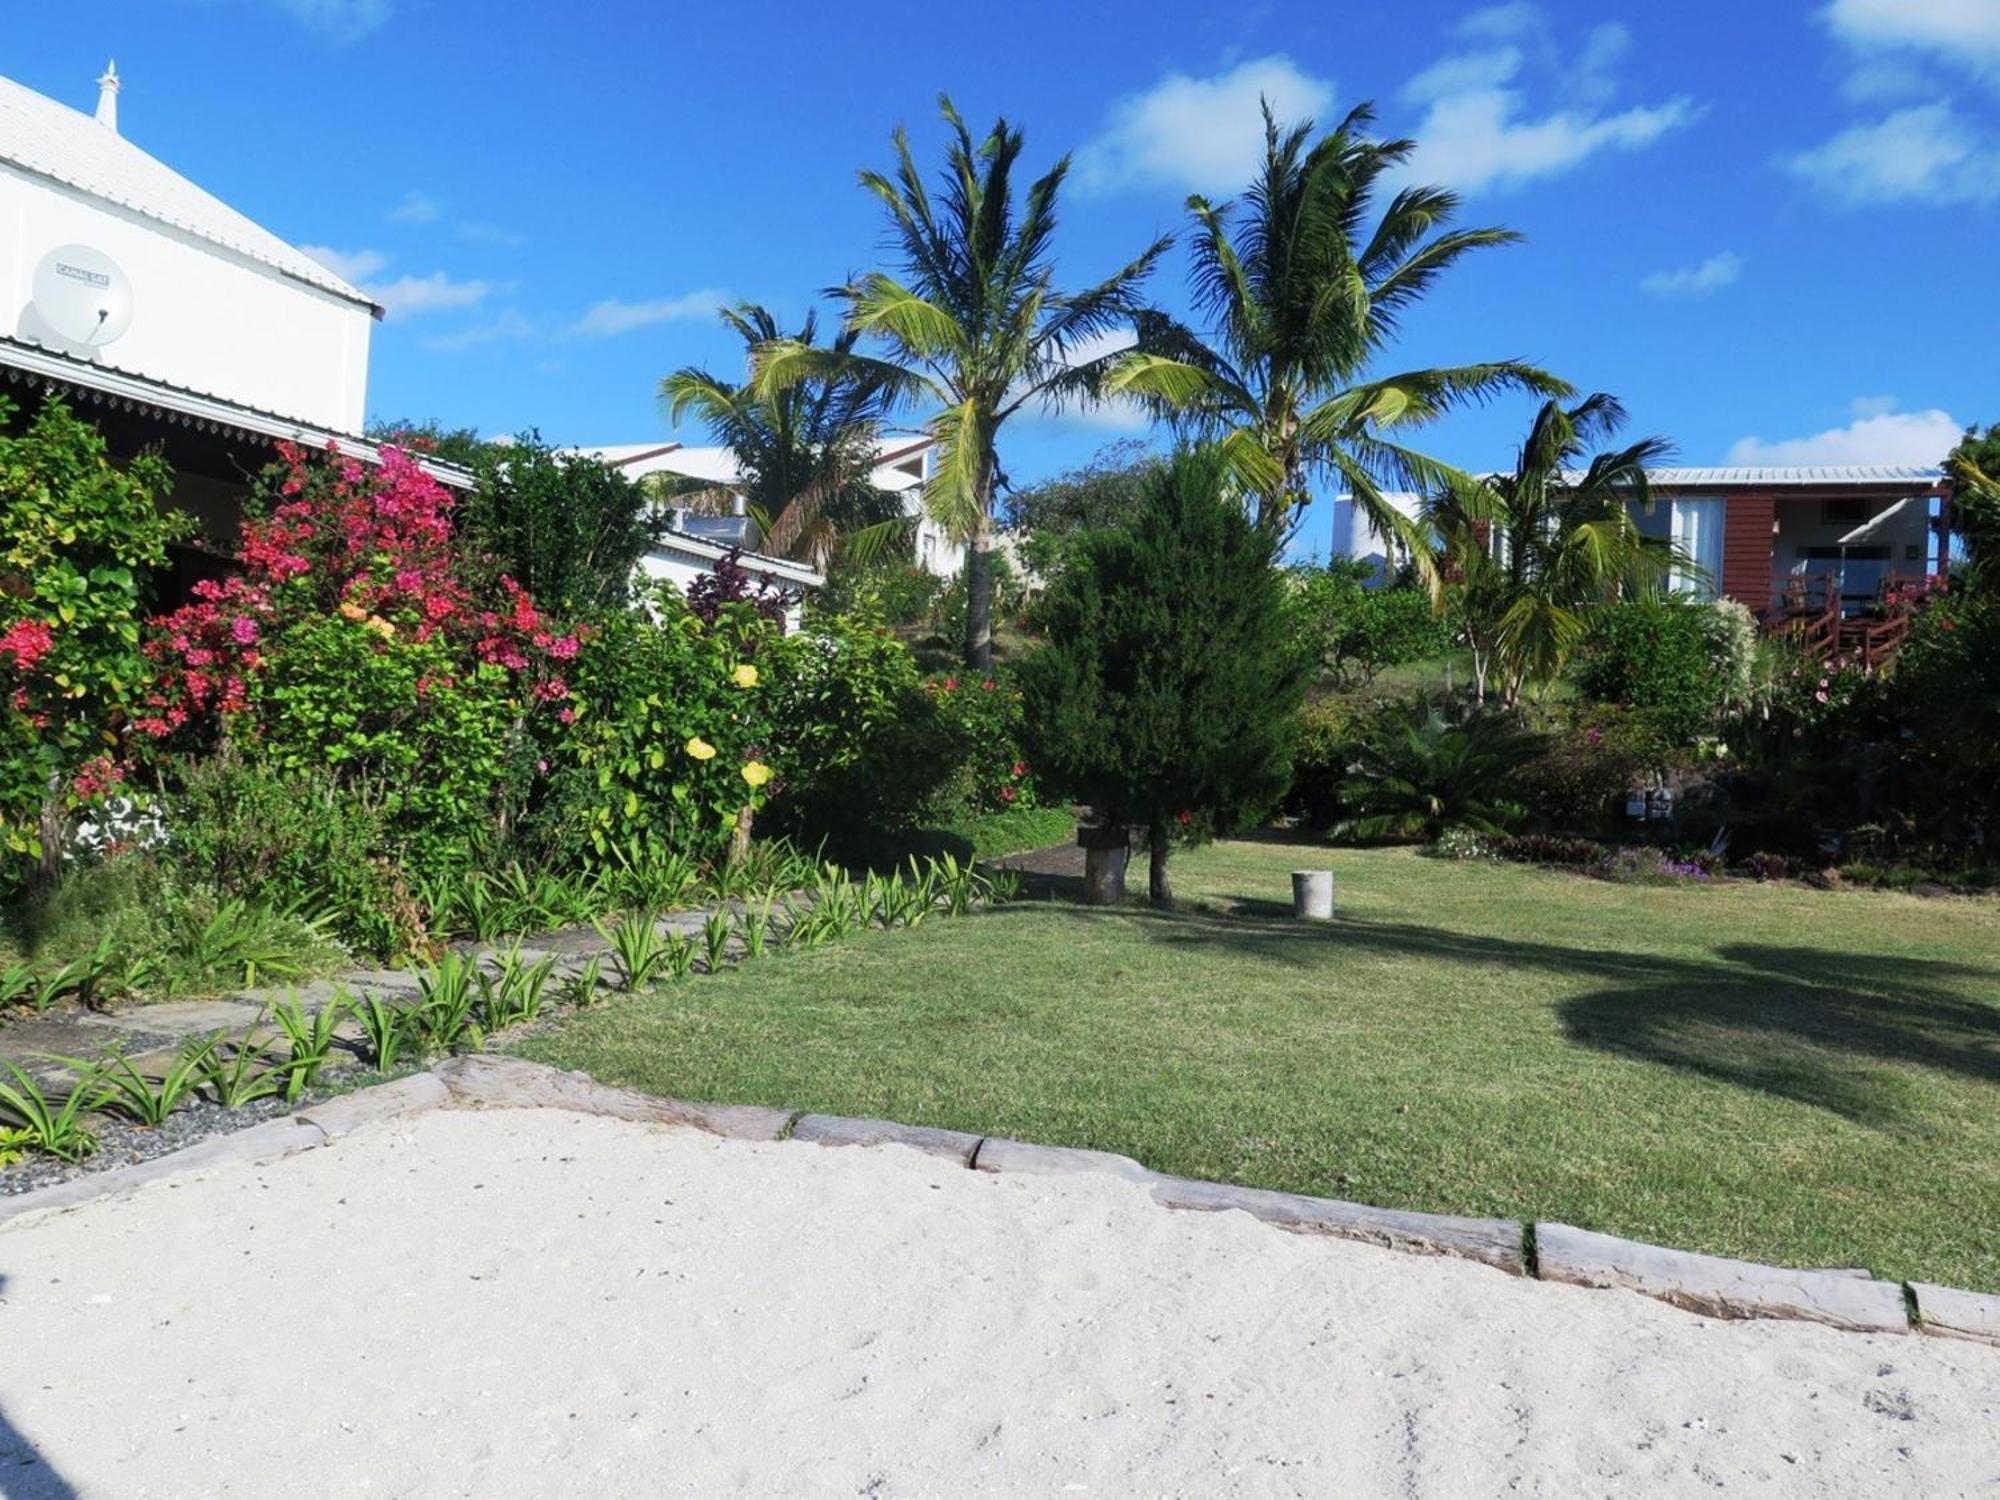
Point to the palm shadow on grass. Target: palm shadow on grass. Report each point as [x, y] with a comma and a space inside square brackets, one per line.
[1834, 1031]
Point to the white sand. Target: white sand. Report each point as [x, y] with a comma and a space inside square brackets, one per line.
[536, 1303]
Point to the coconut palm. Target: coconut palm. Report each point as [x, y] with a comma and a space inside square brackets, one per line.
[1302, 296]
[1530, 553]
[805, 453]
[973, 328]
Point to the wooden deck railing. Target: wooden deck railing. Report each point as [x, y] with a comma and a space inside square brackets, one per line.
[1818, 624]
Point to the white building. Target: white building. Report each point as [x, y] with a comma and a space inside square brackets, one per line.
[902, 465]
[166, 317]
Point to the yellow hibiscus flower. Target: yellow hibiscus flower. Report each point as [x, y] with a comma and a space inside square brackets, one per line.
[756, 773]
[744, 676]
[700, 748]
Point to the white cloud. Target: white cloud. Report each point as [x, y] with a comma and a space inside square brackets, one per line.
[1478, 130]
[490, 234]
[416, 208]
[1204, 134]
[507, 326]
[1872, 406]
[354, 266]
[338, 20]
[1966, 32]
[1875, 436]
[1711, 275]
[1119, 414]
[1517, 18]
[407, 296]
[1887, 80]
[1922, 154]
[1466, 73]
[611, 317]
[1475, 139]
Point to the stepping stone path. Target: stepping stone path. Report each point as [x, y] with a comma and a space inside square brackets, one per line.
[151, 1035]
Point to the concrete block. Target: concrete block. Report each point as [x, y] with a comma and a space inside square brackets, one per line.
[1946, 1312]
[835, 1130]
[383, 1101]
[998, 1154]
[487, 1082]
[1717, 1286]
[1495, 1242]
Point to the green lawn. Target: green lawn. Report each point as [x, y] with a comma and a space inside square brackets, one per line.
[1771, 1072]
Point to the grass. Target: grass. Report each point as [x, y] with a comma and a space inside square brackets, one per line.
[1771, 1072]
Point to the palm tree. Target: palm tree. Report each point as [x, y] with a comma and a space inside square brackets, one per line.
[974, 328]
[805, 453]
[1416, 774]
[1531, 553]
[1302, 297]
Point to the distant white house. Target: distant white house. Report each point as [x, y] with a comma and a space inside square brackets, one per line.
[166, 317]
[902, 466]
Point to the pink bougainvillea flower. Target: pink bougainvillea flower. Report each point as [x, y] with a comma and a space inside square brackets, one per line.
[27, 641]
[243, 630]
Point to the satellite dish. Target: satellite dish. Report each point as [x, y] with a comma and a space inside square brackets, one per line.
[82, 297]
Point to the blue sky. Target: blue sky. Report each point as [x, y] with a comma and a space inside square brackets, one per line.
[1766, 227]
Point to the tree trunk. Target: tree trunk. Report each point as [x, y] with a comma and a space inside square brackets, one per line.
[1106, 851]
[1160, 892]
[739, 837]
[979, 598]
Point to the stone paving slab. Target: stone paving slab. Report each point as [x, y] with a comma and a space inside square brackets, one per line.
[335, 1117]
[514, 1083]
[182, 1018]
[1947, 1312]
[999, 1154]
[837, 1130]
[1716, 1285]
[1495, 1242]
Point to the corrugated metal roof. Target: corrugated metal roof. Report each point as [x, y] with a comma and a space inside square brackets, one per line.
[25, 362]
[52, 140]
[717, 465]
[1812, 476]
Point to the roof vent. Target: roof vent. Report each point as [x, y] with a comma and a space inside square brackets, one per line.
[107, 97]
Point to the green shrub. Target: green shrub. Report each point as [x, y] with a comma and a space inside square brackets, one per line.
[668, 736]
[1354, 629]
[1320, 758]
[1663, 658]
[1588, 763]
[1417, 773]
[78, 535]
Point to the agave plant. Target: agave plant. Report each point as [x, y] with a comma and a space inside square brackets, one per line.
[1417, 773]
[309, 1038]
[55, 1128]
[145, 1100]
[636, 948]
[237, 1073]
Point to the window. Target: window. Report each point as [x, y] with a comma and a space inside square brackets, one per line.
[1845, 511]
[1697, 533]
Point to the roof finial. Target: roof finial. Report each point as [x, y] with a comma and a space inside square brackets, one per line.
[107, 97]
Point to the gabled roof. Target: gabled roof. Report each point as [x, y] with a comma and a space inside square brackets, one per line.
[705, 551]
[83, 383]
[718, 466]
[52, 140]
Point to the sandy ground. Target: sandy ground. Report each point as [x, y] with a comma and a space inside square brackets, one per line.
[539, 1304]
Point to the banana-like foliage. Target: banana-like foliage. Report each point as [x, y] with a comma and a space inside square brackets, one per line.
[805, 452]
[972, 327]
[1528, 554]
[1300, 296]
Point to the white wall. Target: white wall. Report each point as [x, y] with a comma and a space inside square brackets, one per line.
[1354, 536]
[203, 317]
[681, 569]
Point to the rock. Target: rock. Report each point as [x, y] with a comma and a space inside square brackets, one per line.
[1717, 1286]
[1495, 1242]
[181, 1018]
[836, 1130]
[490, 1082]
[384, 1101]
[259, 1143]
[1948, 1313]
[998, 1154]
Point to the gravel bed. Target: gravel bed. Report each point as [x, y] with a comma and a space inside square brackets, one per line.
[121, 1143]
